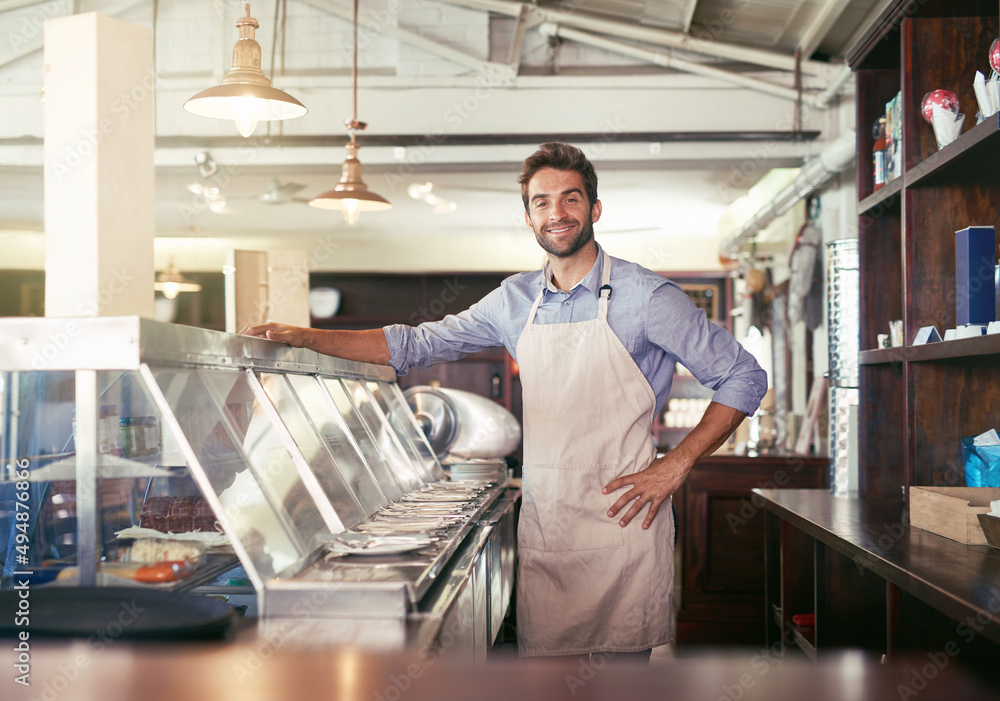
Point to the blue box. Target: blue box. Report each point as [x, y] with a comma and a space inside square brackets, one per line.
[975, 260]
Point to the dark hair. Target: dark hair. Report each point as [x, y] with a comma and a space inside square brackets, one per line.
[561, 157]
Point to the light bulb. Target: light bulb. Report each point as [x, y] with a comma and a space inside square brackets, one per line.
[246, 113]
[351, 211]
[171, 290]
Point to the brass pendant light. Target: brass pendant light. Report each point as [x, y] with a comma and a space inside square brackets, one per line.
[245, 94]
[171, 283]
[351, 195]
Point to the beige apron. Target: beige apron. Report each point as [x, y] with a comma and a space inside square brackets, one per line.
[585, 584]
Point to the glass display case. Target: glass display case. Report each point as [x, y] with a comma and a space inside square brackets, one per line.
[123, 436]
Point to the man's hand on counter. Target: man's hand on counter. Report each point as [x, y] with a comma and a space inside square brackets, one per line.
[368, 346]
[292, 335]
[665, 475]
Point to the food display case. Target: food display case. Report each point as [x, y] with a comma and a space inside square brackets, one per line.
[170, 457]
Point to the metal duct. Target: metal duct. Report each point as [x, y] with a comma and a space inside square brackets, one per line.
[811, 176]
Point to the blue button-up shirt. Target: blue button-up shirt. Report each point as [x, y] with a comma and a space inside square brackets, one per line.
[655, 321]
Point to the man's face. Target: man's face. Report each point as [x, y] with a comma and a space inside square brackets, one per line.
[559, 212]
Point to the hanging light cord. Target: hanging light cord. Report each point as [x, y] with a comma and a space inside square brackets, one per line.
[354, 124]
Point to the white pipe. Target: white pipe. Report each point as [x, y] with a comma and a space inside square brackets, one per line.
[837, 156]
[676, 40]
[835, 85]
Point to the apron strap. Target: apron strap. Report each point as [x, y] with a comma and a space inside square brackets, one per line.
[534, 307]
[602, 307]
[605, 292]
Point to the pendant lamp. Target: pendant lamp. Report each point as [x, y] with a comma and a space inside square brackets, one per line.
[351, 195]
[171, 283]
[245, 94]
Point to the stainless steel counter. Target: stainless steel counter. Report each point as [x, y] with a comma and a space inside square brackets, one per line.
[295, 452]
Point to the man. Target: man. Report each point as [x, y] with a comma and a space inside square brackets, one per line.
[596, 339]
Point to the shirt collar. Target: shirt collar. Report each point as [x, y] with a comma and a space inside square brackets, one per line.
[592, 280]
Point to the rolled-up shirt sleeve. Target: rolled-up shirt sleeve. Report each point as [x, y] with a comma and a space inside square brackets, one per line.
[709, 351]
[455, 336]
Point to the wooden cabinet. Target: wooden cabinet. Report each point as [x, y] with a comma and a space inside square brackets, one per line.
[720, 528]
[916, 403]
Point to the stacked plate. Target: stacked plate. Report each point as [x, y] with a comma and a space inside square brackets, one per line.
[476, 469]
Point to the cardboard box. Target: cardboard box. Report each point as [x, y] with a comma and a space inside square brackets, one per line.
[952, 511]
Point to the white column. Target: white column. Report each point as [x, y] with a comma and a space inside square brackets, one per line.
[99, 177]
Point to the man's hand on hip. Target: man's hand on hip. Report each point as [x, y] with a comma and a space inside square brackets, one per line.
[665, 475]
[652, 486]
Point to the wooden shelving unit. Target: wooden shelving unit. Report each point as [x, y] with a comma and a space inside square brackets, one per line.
[917, 402]
[871, 580]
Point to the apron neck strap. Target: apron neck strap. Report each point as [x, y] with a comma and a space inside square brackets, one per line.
[604, 293]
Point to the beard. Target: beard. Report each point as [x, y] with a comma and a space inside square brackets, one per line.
[566, 247]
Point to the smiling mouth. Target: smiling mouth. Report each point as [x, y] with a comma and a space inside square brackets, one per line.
[559, 230]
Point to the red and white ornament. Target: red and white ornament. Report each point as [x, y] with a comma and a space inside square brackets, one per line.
[944, 99]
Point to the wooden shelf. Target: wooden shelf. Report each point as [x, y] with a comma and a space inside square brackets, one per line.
[981, 141]
[886, 198]
[880, 356]
[959, 348]
[942, 350]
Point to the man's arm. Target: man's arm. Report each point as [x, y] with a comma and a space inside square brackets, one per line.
[368, 346]
[718, 361]
[665, 475]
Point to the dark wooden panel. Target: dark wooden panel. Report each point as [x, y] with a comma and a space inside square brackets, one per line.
[849, 598]
[951, 399]
[880, 267]
[881, 430]
[932, 215]
[721, 536]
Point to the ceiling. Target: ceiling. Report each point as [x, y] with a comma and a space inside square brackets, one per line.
[682, 106]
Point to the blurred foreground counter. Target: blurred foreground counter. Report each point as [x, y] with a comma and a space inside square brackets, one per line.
[720, 529]
[269, 669]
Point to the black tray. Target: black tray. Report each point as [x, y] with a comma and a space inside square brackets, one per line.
[113, 613]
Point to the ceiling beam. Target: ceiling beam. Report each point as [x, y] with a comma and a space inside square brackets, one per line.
[624, 30]
[689, 15]
[8, 5]
[667, 61]
[821, 25]
[34, 44]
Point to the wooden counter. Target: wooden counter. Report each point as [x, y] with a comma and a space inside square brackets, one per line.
[873, 581]
[273, 669]
[721, 540]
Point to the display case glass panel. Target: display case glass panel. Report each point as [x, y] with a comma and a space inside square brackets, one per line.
[314, 450]
[399, 461]
[265, 505]
[330, 424]
[393, 405]
[372, 451]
